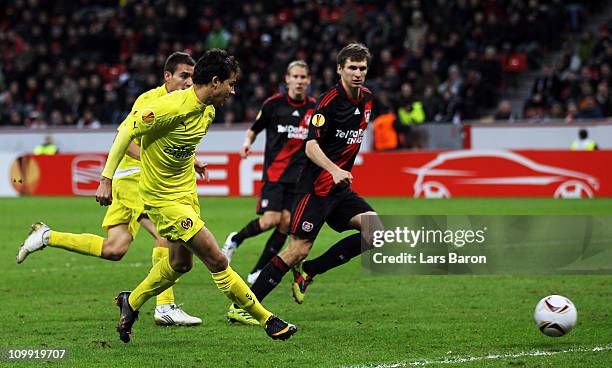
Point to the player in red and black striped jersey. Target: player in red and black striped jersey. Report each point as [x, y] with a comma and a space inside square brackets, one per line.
[334, 138]
[285, 118]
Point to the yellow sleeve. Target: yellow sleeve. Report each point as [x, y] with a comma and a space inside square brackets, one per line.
[118, 150]
[157, 114]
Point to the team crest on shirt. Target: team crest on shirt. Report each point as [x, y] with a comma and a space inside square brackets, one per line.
[264, 203]
[148, 116]
[367, 116]
[307, 226]
[318, 120]
[307, 117]
[187, 223]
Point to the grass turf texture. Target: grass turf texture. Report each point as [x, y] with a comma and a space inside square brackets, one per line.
[57, 299]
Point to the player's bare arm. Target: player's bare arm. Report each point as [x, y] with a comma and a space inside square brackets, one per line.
[133, 151]
[249, 138]
[316, 155]
[202, 169]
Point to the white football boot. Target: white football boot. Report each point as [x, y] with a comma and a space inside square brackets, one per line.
[173, 315]
[36, 240]
[230, 247]
[252, 277]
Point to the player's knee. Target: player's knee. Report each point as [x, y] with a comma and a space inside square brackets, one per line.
[115, 249]
[181, 265]
[217, 263]
[283, 226]
[269, 221]
[161, 242]
[369, 217]
[298, 250]
[114, 254]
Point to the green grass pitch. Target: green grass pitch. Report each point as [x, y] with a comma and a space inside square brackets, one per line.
[57, 299]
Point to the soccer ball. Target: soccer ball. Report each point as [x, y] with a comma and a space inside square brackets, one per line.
[555, 315]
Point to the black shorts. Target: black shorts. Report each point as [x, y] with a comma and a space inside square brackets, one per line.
[310, 212]
[275, 197]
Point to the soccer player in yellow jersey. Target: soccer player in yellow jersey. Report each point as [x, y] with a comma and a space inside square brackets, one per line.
[171, 128]
[124, 217]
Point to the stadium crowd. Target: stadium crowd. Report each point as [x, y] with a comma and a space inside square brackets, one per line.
[578, 85]
[82, 63]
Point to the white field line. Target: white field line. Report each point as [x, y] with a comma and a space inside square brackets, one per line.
[468, 359]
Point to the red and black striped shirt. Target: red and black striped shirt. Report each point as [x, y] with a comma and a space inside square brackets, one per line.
[286, 124]
[338, 124]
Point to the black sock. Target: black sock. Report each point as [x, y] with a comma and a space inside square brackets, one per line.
[338, 254]
[251, 229]
[273, 246]
[269, 277]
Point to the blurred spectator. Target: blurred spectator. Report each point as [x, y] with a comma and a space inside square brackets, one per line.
[219, 37]
[88, 121]
[556, 111]
[504, 112]
[47, 148]
[583, 143]
[571, 113]
[385, 136]
[588, 108]
[453, 82]
[535, 107]
[546, 84]
[409, 114]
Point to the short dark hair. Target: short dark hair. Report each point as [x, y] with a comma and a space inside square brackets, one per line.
[355, 52]
[214, 62]
[177, 58]
[583, 134]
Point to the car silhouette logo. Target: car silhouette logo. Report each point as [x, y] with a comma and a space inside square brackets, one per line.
[493, 173]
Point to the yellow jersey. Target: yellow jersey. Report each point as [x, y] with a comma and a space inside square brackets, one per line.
[171, 128]
[129, 165]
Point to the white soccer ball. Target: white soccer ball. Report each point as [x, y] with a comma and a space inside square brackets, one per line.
[555, 315]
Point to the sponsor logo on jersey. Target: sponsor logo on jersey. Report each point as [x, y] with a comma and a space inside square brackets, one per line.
[296, 113]
[318, 120]
[297, 132]
[357, 112]
[180, 151]
[351, 136]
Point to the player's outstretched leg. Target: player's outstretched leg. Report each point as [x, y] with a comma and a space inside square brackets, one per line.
[301, 280]
[204, 246]
[235, 314]
[337, 255]
[232, 285]
[87, 244]
[37, 239]
[273, 246]
[127, 316]
[160, 277]
[167, 313]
